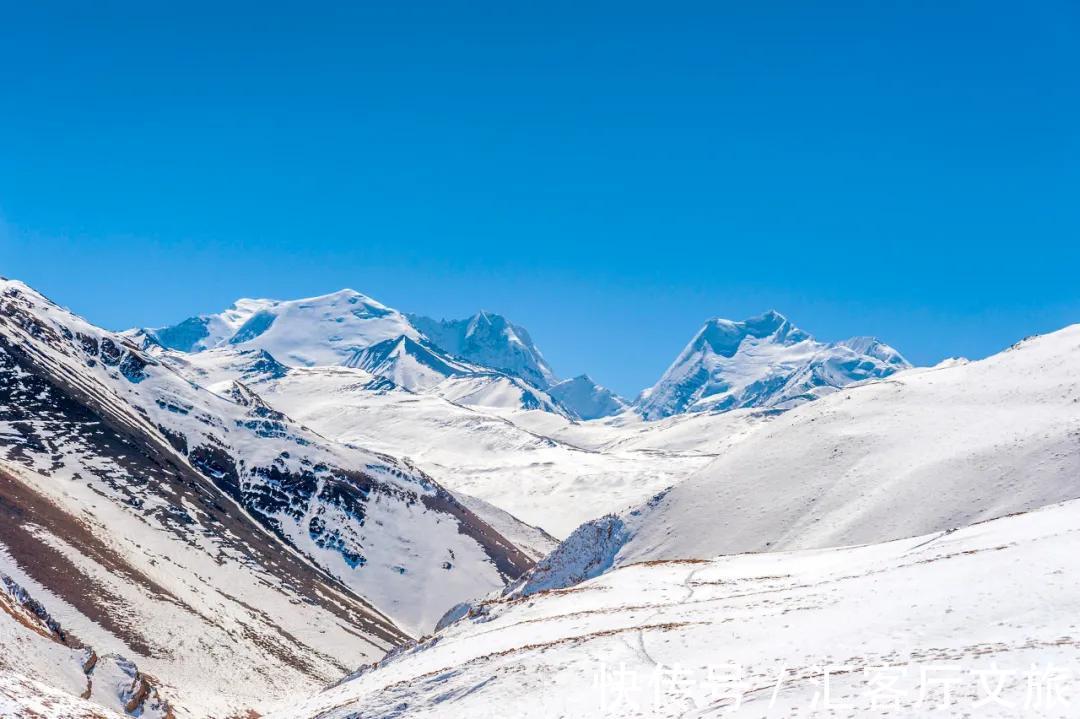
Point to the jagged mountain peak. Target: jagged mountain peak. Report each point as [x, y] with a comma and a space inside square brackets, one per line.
[490, 339]
[873, 347]
[724, 336]
[410, 363]
[762, 361]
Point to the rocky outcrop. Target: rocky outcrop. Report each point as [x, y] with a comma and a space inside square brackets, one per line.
[112, 681]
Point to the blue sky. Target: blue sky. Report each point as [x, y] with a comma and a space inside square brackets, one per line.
[607, 174]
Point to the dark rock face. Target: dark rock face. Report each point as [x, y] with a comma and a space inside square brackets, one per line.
[34, 608]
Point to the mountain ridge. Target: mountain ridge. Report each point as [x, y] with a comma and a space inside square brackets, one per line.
[762, 362]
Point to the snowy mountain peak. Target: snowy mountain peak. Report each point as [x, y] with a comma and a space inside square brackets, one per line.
[323, 330]
[873, 347]
[491, 340]
[724, 337]
[763, 361]
[414, 365]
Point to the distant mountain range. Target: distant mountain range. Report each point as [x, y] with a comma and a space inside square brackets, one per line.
[486, 360]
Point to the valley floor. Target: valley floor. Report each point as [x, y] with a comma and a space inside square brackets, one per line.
[979, 622]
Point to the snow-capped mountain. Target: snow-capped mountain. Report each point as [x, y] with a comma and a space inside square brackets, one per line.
[324, 330]
[765, 362]
[490, 340]
[483, 361]
[586, 399]
[218, 531]
[146, 509]
[762, 362]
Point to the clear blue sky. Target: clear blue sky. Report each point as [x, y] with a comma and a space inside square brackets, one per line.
[607, 174]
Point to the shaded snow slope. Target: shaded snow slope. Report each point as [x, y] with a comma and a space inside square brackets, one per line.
[764, 361]
[586, 399]
[754, 635]
[923, 451]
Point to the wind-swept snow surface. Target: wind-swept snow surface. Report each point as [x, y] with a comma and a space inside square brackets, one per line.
[971, 623]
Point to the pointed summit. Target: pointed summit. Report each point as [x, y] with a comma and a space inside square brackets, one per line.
[723, 337]
[491, 340]
[322, 330]
[763, 361]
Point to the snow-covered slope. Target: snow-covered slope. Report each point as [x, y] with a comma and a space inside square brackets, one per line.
[539, 466]
[158, 510]
[764, 361]
[205, 331]
[490, 340]
[586, 399]
[922, 451]
[379, 525]
[27, 697]
[495, 391]
[986, 611]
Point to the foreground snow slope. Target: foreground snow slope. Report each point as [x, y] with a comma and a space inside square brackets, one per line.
[23, 697]
[945, 606]
[33, 643]
[922, 451]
